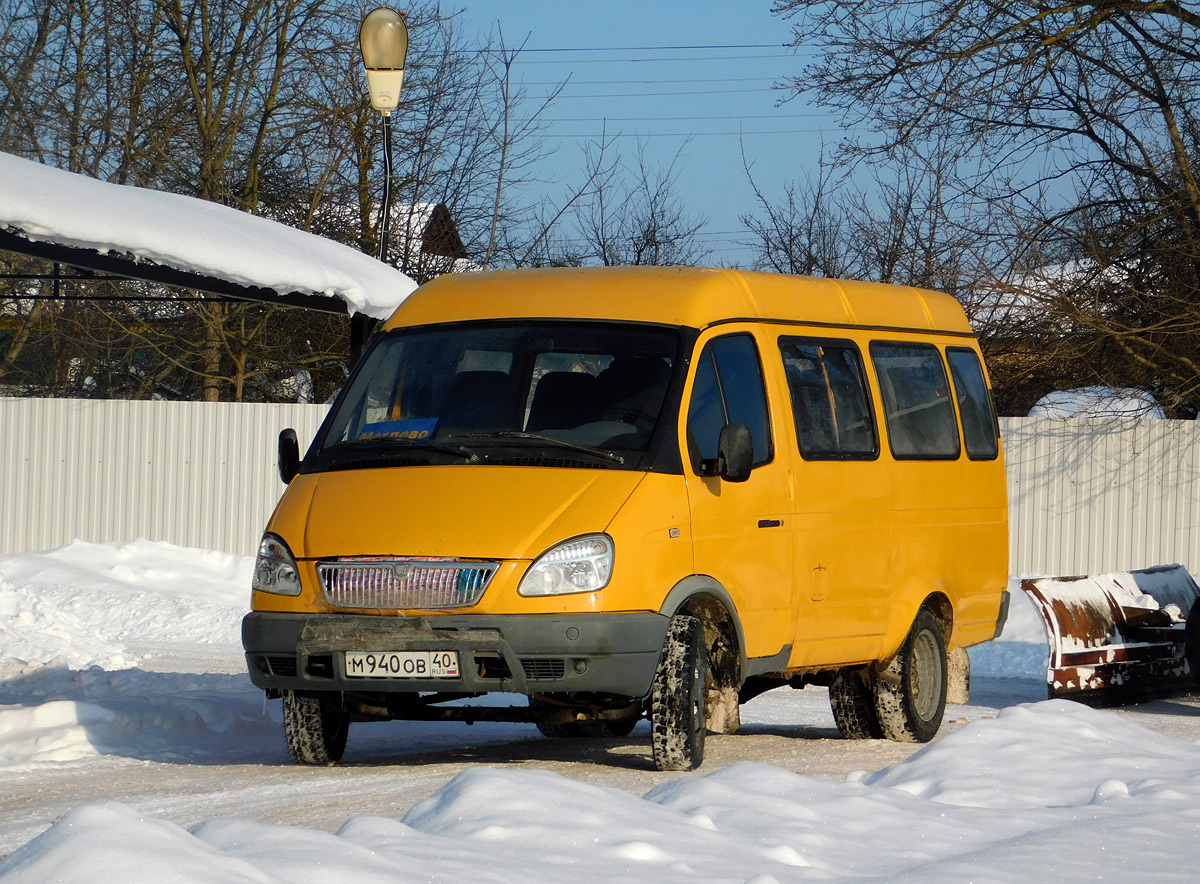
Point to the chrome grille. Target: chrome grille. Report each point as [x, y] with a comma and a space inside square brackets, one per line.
[404, 583]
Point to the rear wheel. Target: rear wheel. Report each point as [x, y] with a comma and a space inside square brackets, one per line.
[316, 728]
[910, 695]
[559, 731]
[677, 722]
[595, 728]
[852, 698]
[621, 727]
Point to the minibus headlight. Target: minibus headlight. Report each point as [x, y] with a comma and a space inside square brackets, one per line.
[582, 564]
[275, 569]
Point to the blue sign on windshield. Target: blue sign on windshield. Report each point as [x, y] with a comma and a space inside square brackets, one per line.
[412, 428]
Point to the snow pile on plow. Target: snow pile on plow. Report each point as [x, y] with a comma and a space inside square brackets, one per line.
[1119, 637]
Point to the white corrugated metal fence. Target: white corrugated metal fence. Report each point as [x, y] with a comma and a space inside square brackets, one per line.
[196, 474]
[1088, 496]
[1084, 496]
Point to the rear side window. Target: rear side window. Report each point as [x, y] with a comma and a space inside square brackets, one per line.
[729, 389]
[830, 401]
[980, 431]
[916, 401]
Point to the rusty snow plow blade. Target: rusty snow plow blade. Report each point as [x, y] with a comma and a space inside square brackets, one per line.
[1116, 638]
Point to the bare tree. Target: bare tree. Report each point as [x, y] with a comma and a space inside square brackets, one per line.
[900, 227]
[805, 230]
[1075, 125]
[633, 216]
[259, 105]
[510, 133]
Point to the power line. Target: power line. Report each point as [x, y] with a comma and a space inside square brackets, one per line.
[658, 94]
[654, 82]
[709, 47]
[725, 234]
[661, 119]
[654, 60]
[610, 135]
[690, 48]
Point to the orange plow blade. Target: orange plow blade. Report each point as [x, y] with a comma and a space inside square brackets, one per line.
[1116, 638]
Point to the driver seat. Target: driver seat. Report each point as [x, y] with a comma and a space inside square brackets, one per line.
[562, 400]
[634, 385]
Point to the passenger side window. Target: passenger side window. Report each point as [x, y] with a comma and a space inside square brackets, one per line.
[830, 401]
[729, 389]
[916, 401]
[980, 430]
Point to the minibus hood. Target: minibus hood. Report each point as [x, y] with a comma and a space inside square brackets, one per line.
[490, 512]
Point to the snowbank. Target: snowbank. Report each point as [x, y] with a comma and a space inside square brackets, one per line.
[1048, 792]
[80, 624]
[81, 605]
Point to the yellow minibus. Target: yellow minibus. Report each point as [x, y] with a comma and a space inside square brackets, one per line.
[631, 493]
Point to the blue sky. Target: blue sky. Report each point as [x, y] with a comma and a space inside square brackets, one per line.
[658, 97]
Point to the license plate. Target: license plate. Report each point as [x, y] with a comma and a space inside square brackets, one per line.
[402, 664]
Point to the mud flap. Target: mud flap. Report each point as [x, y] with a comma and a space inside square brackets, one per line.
[958, 677]
[1116, 638]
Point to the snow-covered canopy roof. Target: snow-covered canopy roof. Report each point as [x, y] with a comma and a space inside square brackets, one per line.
[41, 204]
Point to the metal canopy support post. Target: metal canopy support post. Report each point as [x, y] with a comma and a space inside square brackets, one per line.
[361, 328]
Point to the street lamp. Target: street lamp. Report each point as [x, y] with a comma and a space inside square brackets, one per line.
[383, 39]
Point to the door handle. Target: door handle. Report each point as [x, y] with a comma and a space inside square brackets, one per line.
[770, 523]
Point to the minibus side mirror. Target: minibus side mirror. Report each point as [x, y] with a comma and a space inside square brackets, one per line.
[735, 453]
[289, 455]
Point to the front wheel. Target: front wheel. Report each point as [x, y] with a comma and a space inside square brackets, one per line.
[316, 728]
[910, 695]
[677, 721]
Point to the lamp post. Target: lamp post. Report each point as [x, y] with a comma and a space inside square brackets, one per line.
[383, 40]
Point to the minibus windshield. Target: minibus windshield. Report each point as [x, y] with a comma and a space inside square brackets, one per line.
[474, 392]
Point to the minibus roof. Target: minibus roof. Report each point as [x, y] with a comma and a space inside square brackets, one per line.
[687, 296]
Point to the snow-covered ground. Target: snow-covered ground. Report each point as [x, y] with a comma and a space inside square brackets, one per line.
[134, 749]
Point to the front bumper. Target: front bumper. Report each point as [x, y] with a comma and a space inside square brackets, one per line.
[526, 654]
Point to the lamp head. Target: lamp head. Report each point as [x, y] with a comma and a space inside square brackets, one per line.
[383, 39]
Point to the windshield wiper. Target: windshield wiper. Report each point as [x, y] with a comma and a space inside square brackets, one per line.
[538, 437]
[458, 450]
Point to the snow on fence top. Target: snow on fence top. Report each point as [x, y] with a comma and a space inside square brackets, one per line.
[45, 204]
